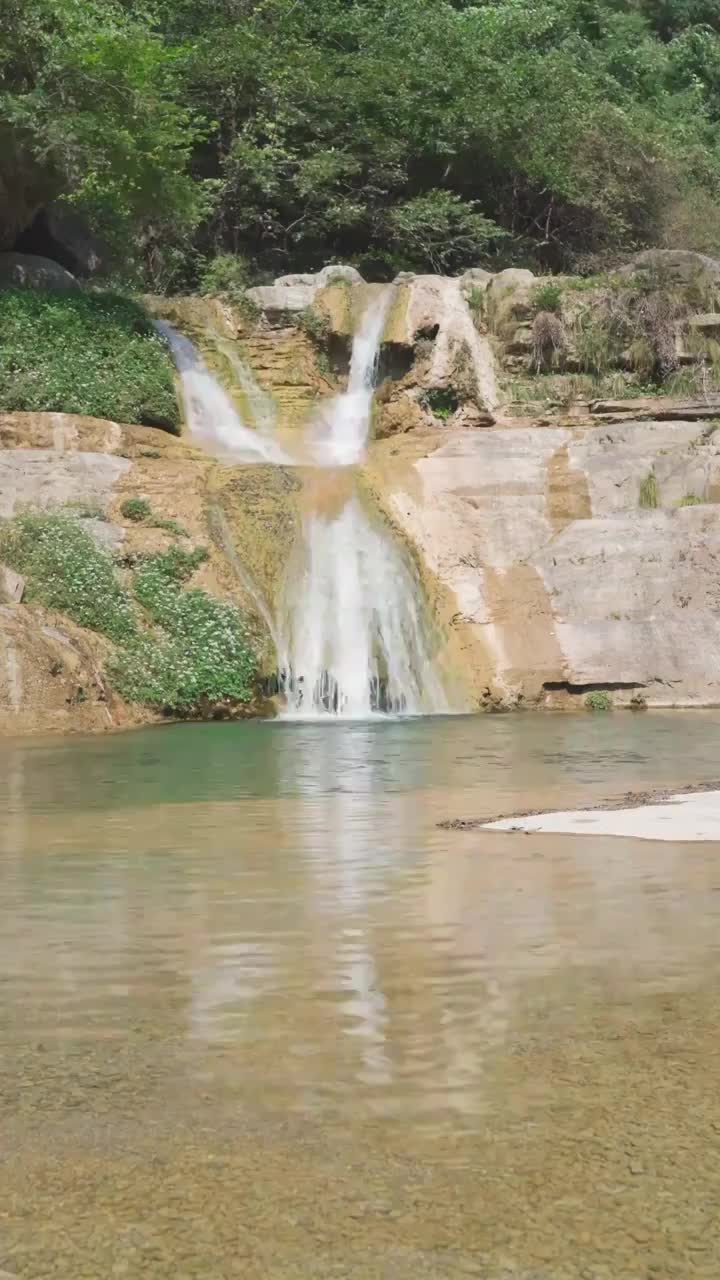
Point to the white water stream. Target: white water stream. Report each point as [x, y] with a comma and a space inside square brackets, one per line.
[211, 415]
[350, 632]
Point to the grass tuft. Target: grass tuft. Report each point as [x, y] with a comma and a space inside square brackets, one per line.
[649, 492]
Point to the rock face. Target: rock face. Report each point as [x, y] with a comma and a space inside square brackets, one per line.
[50, 677]
[556, 579]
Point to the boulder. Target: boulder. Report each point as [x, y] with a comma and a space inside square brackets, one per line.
[63, 235]
[334, 274]
[509, 300]
[277, 301]
[681, 264]
[12, 589]
[476, 277]
[293, 293]
[29, 271]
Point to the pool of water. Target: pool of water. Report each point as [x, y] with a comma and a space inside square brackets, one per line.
[261, 1016]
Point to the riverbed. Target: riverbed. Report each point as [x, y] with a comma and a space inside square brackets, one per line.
[262, 1016]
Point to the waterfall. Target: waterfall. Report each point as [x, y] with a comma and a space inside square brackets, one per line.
[211, 415]
[350, 630]
[341, 431]
[351, 633]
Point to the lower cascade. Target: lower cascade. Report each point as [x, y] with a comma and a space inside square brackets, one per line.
[350, 630]
[351, 633]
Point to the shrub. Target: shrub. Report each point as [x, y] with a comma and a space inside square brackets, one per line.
[547, 297]
[314, 323]
[441, 401]
[690, 500]
[66, 570]
[649, 492]
[84, 353]
[203, 655]
[227, 275]
[597, 343]
[441, 229]
[136, 509]
[598, 700]
[549, 342]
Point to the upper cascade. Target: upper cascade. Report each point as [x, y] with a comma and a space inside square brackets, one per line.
[341, 431]
[211, 415]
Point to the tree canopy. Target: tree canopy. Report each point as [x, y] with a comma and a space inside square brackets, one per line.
[428, 134]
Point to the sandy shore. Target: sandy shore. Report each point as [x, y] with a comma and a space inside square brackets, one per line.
[689, 815]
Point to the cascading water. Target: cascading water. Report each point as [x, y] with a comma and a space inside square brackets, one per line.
[351, 634]
[211, 414]
[341, 432]
[350, 631]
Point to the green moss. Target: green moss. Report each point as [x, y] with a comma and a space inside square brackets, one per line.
[598, 700]
[84, 353]
[649, 492]
[441, 401]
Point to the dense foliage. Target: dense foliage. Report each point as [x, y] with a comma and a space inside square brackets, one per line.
[66, 571]
[89, 353]
[179, 650]
[396, 133]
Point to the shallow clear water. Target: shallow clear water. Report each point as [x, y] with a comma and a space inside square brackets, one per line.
[261, 1016]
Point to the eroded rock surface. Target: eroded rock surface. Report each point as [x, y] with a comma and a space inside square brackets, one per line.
[557, 579]
[51, 670]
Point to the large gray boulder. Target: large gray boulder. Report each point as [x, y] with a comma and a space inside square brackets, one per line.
[78, 248]
[29, 271]
[291, 294]
[682, 265]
